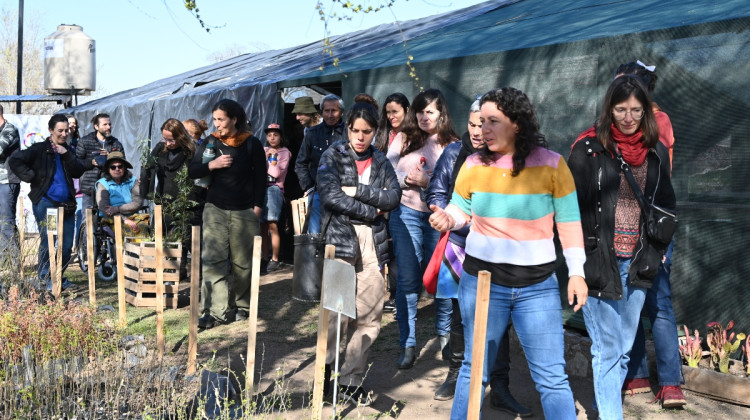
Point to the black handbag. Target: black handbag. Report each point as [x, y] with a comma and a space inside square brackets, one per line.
[661, 224]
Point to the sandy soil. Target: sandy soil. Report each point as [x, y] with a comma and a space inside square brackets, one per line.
[286, 356]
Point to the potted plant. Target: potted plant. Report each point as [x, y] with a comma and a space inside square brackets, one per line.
[713, 372]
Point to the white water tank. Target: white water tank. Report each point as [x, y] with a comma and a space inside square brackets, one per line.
[69, 61]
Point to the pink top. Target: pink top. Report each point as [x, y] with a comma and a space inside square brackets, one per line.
[278, 169]
[431, 151]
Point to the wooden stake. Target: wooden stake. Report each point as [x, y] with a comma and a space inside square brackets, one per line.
[120, 271]
[90, 260]
[321, 347]
[295, 217]
[59, 252]
[195, 272]
[478, 346]
[52, 254]
[22, 235]
[253, 317]
[159, 281]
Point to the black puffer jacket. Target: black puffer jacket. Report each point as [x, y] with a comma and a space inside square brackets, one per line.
[36, 165]
[87, 149]
[597, 177]
[340, 212]
[317, 140]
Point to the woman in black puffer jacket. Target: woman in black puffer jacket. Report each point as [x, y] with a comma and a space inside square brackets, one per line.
[357, 186]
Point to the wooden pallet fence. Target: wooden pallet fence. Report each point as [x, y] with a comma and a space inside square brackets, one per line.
[139, 259]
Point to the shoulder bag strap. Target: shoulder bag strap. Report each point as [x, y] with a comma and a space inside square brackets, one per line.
[633, 184]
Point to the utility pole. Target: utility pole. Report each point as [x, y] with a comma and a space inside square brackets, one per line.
[19, 71]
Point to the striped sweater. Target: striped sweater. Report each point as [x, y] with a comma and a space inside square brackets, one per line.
[513, 217]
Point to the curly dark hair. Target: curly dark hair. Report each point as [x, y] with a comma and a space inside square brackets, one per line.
[518, 108]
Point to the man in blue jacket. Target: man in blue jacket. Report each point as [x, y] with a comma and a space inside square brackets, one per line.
[50, 167]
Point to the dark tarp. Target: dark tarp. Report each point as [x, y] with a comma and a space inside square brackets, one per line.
[562, 54]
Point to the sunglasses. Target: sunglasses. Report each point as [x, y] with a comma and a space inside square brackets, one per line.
[117, 166]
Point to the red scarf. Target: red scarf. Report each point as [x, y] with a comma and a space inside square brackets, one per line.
[630, 146]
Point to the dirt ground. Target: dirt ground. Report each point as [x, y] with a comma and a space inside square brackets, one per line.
[286, 357]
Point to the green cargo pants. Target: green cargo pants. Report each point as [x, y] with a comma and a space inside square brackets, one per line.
[227, 235]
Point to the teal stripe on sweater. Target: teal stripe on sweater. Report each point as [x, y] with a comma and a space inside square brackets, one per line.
[513, 206]
[566, 208]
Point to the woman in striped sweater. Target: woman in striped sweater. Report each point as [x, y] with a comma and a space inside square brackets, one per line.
[514, 192]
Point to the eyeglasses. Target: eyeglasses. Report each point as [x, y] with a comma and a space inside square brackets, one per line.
[120, 166]
[169, 140]
[620, 113]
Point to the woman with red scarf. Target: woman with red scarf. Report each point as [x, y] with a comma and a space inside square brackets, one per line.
[621, 260]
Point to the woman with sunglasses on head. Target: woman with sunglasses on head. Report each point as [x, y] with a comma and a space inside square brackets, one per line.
[414, 153]
[621, 259]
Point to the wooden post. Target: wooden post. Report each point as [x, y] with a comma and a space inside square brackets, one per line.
[22, 235]
[253, 317]
[52, 254]
[295, 217]
[120, 271]
[90, 260]
[320, 350]
[478, 346]
[195, 268]
[159, 245]
[59, 252]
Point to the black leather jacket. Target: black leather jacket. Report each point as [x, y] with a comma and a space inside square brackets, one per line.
[341, 212]
[597, 177]
[317, 140]
[36, 165]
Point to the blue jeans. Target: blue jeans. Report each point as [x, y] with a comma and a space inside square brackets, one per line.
[414, 240]
[40, 214]
[8, 230]
[664, 328]
[272, 205]
[314, 210]
[536, 313]
[612, 324]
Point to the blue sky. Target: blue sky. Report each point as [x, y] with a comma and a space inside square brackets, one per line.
[140, 41]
